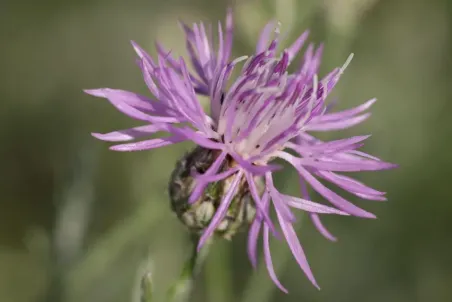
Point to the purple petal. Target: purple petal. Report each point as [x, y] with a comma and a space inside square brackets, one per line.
[280, 206]
[133, 105]
[253, 237]
[347, 165]
[256, 170]
[201, 185]
[331, 146]
[315, 217]
[349, 184]
[227, 46]
[337, 125]
[217, 177]
[345, 113]
[310, 206]
[127, 134]
[142, 54]
[221, 211]
[332, 197]
[296, 248]
[264, 37]
[297, 45]
[199, 139]
[321, 228]
[148, 144]
[260, 205]
[269, 262]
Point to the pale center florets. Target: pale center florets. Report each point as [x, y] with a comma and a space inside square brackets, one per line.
[265, 107]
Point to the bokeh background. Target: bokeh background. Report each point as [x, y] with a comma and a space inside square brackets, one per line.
[81, 223]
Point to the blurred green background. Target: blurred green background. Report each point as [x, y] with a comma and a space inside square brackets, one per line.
[81, 223]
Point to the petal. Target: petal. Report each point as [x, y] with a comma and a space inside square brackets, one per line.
[346, 165]
[217, 177]
[348, 183]
[149, 144]
[280, 206]
[221, 211]
[142, 54]
[315, 217]
[253, 237]
[227, 45]
[321, 228]
[262, 207]
[264, 37]
[269, 262]
[310, 206]
[345, 113]
[128, 134]
[335, 146]
[199, 138]
[296, 248]
[133, 105]
[297, 45]
[201, 185]
[256, 170]
[337, 125]
[332, 197]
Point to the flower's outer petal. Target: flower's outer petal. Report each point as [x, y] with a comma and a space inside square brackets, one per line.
[321, 228]
[297, 45]
[337, 125]
[264, 37]
[345, 114]
[346, 165]
[335, 146]
[253, 237]
[199, 138]
[351, 185]
[149, 144]
[315, 217]
[269, 262]
[201, 185]
[332, 197]
[217, 177]
[296, 248]
[221, 211]
[142, 54]
[134, 105]
[260, 206]
[256, 170]
[127, 134]
[227, 45]
[200, 86]
[310, 206]
[255, 229]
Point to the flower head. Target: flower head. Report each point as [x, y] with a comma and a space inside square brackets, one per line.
[265, 113]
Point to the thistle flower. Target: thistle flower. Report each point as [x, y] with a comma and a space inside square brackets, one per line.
[263, 114]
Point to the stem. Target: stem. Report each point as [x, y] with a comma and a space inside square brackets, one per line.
[218, 276]
[182, 288]
[146, 288]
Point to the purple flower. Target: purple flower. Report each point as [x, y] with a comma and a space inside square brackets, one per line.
[262, 115]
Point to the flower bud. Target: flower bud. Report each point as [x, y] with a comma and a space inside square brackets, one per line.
[197, 216]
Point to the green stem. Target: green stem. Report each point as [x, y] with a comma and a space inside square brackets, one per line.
[181, 289]
[218, 276]
[146, 288]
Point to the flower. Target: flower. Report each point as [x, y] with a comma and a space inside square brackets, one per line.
[263, 114]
